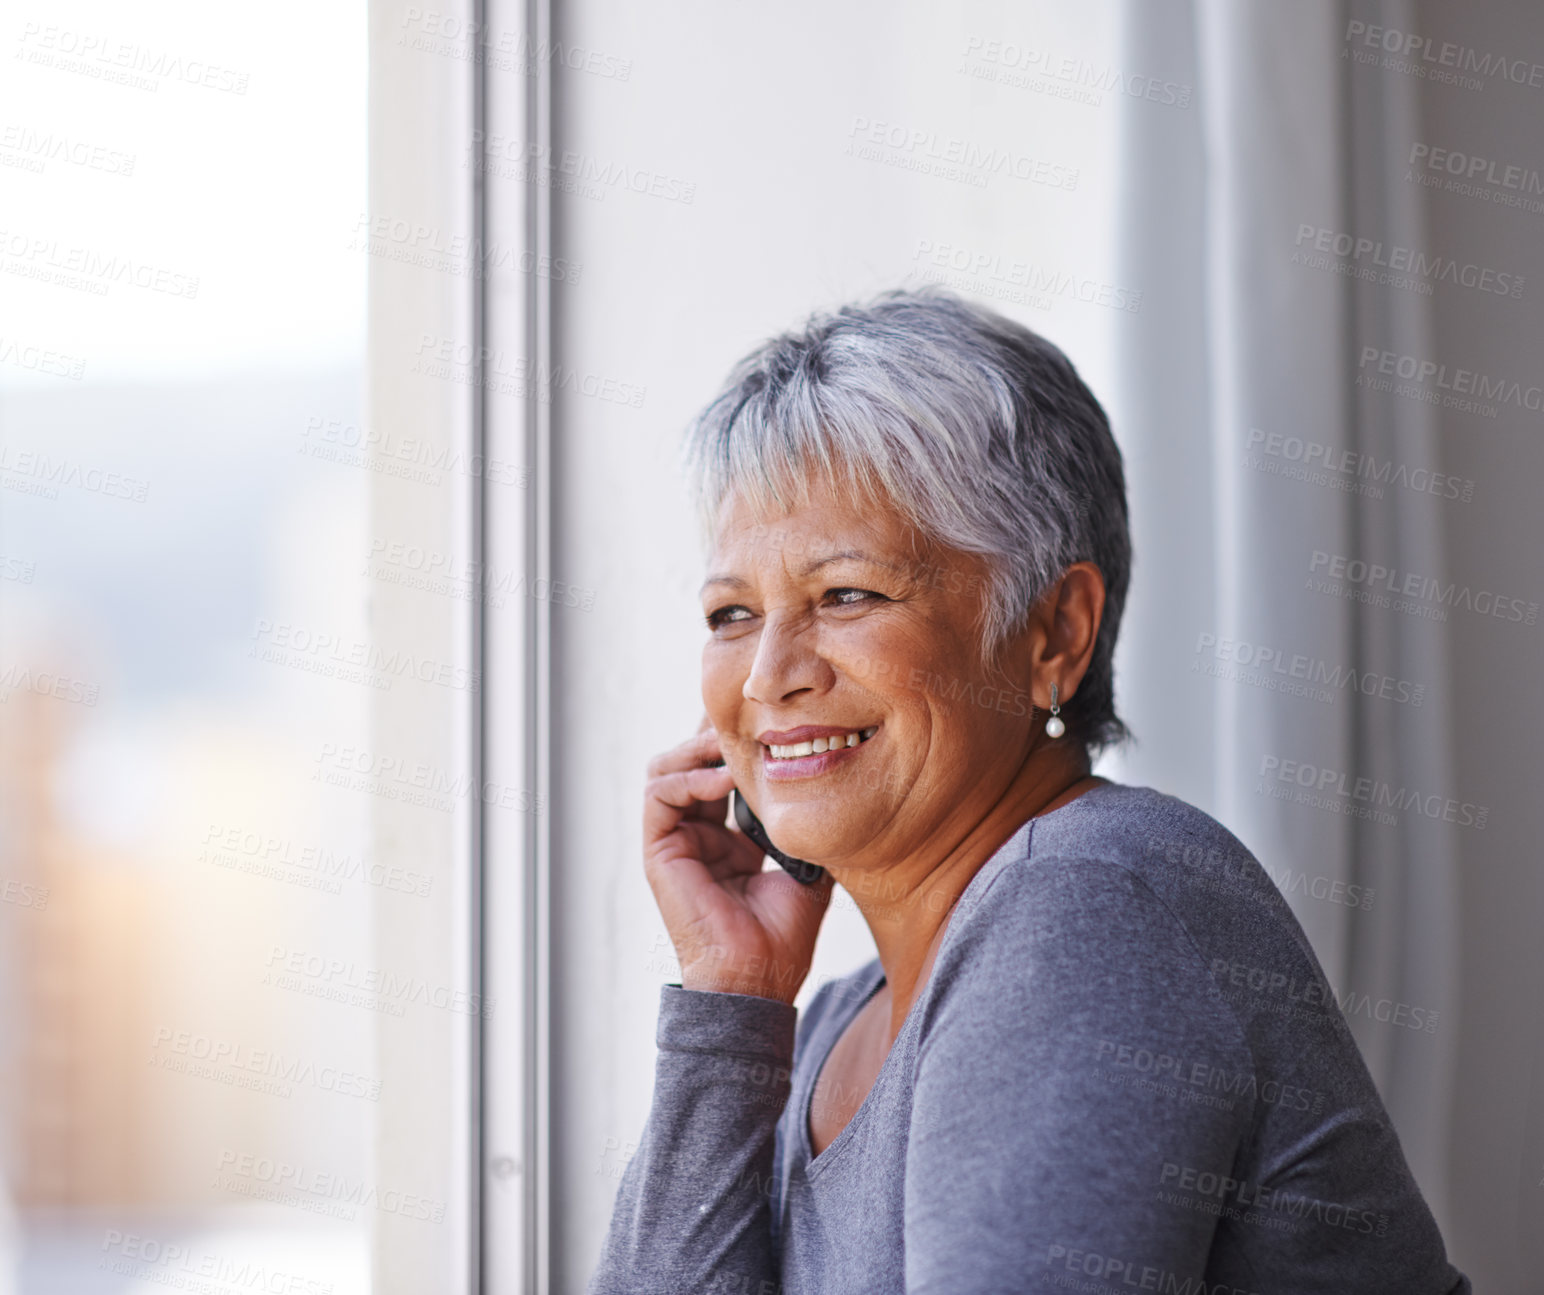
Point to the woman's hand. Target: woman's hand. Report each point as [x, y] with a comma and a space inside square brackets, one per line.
[736, 928]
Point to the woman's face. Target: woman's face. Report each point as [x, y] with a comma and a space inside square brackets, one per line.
[830, 618]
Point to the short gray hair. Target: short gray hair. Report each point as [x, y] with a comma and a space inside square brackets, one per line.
[978, 430]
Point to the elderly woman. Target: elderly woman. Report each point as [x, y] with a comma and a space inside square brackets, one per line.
[1096, 1050]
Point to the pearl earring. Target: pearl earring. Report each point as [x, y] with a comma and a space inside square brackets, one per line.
[1054, 726]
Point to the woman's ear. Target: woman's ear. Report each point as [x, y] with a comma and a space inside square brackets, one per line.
[1067, 619]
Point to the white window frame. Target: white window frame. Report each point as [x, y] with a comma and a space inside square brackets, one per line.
[464, 1110]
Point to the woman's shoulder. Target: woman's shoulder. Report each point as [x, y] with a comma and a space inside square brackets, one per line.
[1137, 826]
[1071, 931]
[1124, 828]
[1127, 866]
[1177, 851]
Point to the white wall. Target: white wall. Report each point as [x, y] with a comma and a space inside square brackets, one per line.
[755, 109]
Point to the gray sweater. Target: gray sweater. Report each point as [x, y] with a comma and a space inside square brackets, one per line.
[1125, 1072]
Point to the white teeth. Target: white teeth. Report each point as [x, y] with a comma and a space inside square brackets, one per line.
[821, 744]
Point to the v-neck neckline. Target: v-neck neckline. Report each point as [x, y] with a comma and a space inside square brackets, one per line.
[814, 1164]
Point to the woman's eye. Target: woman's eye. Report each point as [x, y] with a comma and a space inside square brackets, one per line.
[843, 597]
[860, 595]
[723, 615]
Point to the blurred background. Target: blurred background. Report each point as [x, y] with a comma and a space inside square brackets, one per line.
[347, 583]
[180, 305]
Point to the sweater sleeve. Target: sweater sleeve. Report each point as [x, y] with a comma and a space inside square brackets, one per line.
[693, 1211]
[1040, 1147]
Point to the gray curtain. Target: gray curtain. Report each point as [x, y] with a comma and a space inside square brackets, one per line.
[1260, 469]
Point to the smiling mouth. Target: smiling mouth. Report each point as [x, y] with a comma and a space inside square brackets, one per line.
[815, 746]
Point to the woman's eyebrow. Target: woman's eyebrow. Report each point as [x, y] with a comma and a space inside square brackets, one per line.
[735, 581]
[846, 555]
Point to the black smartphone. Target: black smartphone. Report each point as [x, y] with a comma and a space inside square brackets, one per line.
[801, 870]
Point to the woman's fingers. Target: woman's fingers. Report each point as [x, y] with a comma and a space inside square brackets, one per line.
[726, 853]
[669, 797]
[728, 916]
[696, 752]
[703, 747]
[702, 751]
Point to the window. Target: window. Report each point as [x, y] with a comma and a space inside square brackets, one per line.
[192, 1078]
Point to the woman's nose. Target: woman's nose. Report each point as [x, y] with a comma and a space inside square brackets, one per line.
[785, 663]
